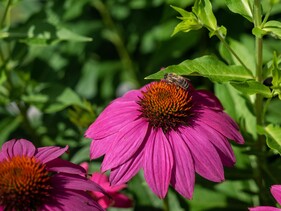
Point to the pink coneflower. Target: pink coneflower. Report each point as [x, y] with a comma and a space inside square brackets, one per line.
[276, 192]
[36, 179]
[168, 130]
[113, 198]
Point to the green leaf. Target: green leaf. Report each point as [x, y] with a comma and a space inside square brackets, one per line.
[203, 10]
[242, 7]
[207, 66]
[273, 134]
[43, 33]
[252, 87]
[189, 21]
[7, 126]
[276, 75]
[273, 28]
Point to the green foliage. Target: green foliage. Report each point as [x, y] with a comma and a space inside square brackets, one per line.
[62, 62]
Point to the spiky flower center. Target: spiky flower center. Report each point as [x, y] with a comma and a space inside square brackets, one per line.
[166, 105]
[24, 183]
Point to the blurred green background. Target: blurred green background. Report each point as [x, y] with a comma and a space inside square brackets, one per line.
[63, 61]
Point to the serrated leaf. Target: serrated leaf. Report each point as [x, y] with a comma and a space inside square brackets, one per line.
[273, 134]
[207, 66]
[252, 87]
[242, 7]
[189, 21]
[203, 10]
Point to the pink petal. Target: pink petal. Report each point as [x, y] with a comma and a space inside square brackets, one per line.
[99, 147]
[158, 163]
[183, 176]
[18, 147]
[71, 200]
[132, 95]
[126, 171]
[206, 159]
[112, 119]
[207, 99]
[46, 154]
[126, 143]
[85, 166]
[59, 165]
[276, 192]
[221, 144]
[221, 122]
[100, 179]
[264, 208]
[74, 182]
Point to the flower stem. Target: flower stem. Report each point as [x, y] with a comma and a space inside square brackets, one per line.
[222, 39]
[260, 144]
[166, 204]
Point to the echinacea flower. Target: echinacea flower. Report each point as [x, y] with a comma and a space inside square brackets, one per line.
[276, 192]
[169, 131]
[113, 198]
[37, 179]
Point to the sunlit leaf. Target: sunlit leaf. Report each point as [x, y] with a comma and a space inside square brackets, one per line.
[242, 7]
[273, 134]
[189, 21]
[207, 66]
[203, 10]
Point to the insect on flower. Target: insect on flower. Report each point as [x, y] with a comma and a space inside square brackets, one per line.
[178, 80]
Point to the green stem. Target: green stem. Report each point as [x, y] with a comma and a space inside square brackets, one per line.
[5, 13]
[116, 39]
[222, 39]
[166, 206]
[260, 144]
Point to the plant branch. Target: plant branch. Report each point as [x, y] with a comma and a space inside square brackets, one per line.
[7, 8]
[222, 39]
[116, 39]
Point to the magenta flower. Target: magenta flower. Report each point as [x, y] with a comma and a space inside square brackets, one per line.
[36, 179]
[276, 192]
[113, 198]
[169, 131]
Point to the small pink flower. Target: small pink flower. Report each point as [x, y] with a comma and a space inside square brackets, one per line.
[37, 179]
[276, 192]
[113, 198]
[168, 129]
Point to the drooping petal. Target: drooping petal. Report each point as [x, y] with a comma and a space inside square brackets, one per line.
[221, 144]
[206, 159]
[158, 163]
[71, 200]
[112, 119]
[126, 143]
[183, 176]
[59, 165]
[46, 154]
[99, 147]
[206, 99]
[123, 173]
[276, 192]
[74, 182]
[264, 208]
[16, 147]
[221, 122]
